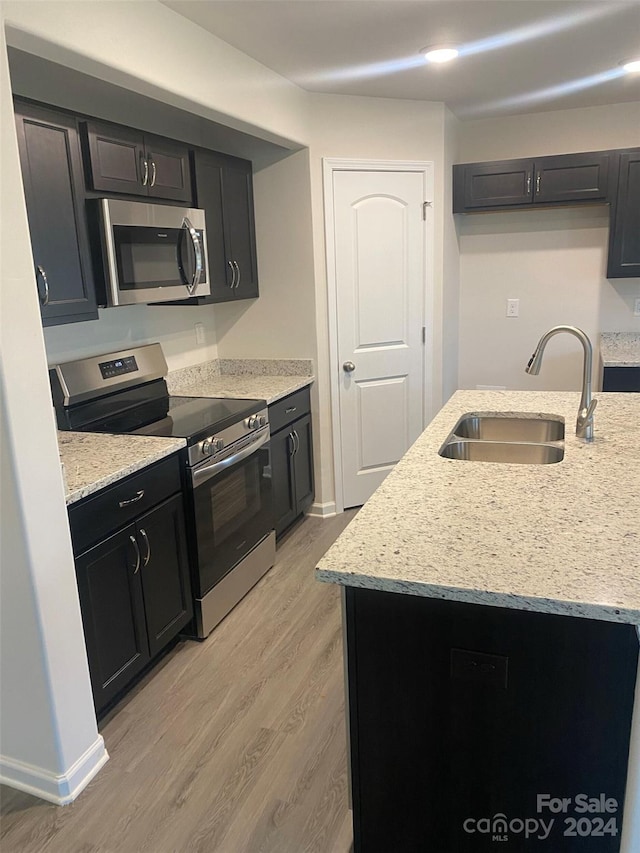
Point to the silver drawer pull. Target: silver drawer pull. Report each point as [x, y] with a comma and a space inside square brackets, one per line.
[129, 501]
[292, 409]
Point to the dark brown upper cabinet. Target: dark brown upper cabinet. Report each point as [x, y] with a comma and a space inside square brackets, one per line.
[223, 188]
[566, 178]
[51, 166]
[624, 234]
[124, 161]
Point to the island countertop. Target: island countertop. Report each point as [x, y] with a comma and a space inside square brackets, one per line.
[561, 538]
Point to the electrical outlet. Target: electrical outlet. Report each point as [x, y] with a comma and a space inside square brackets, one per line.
[199, 333]
[636, 307]
[513, 307]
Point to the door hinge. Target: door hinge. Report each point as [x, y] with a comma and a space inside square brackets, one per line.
[425, 205]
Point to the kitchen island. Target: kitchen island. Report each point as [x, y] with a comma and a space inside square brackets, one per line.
[492, 653]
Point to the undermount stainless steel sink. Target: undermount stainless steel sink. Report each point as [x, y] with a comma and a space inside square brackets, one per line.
[516, 438]
[510, 428]
[518, 453]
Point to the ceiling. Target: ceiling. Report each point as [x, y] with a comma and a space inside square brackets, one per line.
[517, 56]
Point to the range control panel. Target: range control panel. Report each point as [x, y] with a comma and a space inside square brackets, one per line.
[118, 366]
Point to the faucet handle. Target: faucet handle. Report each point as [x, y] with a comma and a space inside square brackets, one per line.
[590, 410]
[585, 415]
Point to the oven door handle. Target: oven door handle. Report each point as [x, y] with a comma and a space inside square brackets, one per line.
[207, 471]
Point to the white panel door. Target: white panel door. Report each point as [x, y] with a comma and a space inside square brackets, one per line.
[380, 283]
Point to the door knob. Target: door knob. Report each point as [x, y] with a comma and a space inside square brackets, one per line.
[349, 367]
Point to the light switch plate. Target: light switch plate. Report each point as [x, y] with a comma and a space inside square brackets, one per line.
[636, 307]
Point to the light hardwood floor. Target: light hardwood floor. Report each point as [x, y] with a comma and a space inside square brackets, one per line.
[233, 745]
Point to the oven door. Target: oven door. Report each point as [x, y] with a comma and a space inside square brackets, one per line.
[233, 510]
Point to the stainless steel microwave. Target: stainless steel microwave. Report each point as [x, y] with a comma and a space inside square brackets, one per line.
[152, 252]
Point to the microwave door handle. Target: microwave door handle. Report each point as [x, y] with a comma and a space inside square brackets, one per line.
[197, 249]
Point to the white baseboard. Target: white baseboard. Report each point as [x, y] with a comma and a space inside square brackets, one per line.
[325, 510]
[55, 788]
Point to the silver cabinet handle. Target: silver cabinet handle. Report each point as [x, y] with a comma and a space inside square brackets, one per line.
[538, 176]
[197, 248]
[348, 367]
[132, 500]
[235, 263]
[528, 182]
[292, 444]
[145, 177]
[233, 275]
[292, 409]
[152, 182]
[44, 300]
[297, 438]
[136, 548]
[147, 556]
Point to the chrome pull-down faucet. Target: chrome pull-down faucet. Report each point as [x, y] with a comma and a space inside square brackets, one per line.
[584, 422]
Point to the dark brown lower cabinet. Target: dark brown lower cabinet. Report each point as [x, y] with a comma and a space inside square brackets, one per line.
[135, 596]
[621, 379]
[462, 714]
[291, 458]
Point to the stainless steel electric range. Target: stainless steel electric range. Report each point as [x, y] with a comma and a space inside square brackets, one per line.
[226, 472]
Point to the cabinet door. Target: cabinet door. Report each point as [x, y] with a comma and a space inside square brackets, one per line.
[208, 182]
[485, 185]
[239, 226]
[282, 479]
[116, 161]
[621, 379]
[52, 176]
[303, 464]
[165, 572]
[572, 177]
[112, 613]
[624, 233]
[169, 170]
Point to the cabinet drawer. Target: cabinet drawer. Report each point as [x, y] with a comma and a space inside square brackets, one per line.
[119, 504]
[289, 409]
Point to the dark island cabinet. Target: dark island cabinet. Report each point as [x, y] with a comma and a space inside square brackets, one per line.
[566, 178]
[223, 188]
[122, 160]
[291, 458]
[133, 584]
[52, 175]
[624, 234]
[461, 713]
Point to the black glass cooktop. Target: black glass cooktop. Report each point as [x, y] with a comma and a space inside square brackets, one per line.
[148, 410]
[195, 418]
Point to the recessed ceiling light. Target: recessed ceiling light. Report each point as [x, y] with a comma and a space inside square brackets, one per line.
[439, 53]
[632, 65]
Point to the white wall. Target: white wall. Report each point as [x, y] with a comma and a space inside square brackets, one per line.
[126, 326]
[369, 128]
[48, 737]
[281, 323]
[553, 260]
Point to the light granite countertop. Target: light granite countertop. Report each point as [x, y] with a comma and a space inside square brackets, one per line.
[562, 538]
[259, 379]
[95, 460]
[620, 349]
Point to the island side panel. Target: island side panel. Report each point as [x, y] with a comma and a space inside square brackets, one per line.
[460, 712]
